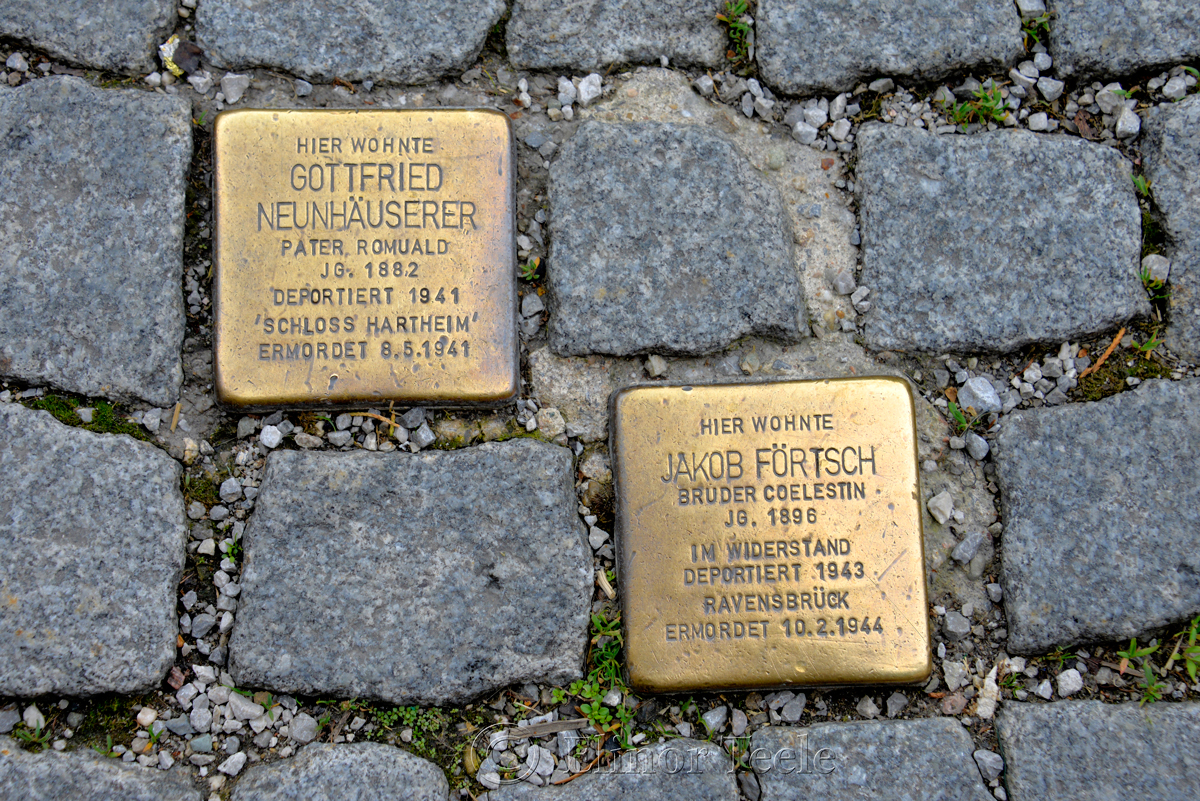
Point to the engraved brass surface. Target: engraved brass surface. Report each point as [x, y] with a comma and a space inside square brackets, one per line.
[364, 257]
[770, 535]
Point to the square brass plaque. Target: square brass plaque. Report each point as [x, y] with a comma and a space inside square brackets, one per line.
[770, 535]
[364, 257]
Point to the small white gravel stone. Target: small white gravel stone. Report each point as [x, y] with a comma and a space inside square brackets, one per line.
[1069, 682]
[714, 719]
[941, 506]
[270, 437]
[805, 134]
[867, 707]
[991, 764]
[656, 366]
[233, 766]
[1129, 124]
[234, 86]
[1158, 267]
[590, 89]
[1050, 88]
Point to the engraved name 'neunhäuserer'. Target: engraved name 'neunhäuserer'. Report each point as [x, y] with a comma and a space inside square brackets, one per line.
[364, 257]
[770, 535]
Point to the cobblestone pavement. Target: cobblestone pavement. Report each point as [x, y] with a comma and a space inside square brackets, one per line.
[993, 200]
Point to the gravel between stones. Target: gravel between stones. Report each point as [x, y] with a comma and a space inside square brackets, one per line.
[84, 774]
[1086, 750]
[1101, 507]
[595, 34]
[91, 550]
[324, 772]
[115, 35]
[885, 759]
[98, 206]
[828, 45]
[1171, 150]
[665, 239]
[429, 579]
[410, 42]
[1118, 37]
[996, 241]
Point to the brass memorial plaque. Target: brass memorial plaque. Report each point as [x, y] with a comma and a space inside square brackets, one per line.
[770, 535]
[364, 257]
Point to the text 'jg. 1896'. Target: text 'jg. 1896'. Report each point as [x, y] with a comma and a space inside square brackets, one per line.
[770, 535]
[364, 257]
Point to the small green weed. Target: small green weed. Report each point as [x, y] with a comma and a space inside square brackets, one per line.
[989, 105]
[36, 739]
[107, 751]
[1142, 184]
[739, 31]
[1134, 652]
[529, 270]
[106, 418]
[961, 423]
[1059, 655]
[1036, 27]
[428, 726]
[1191, 654]
[1154, 286]
[1149, 345]
[1195, 72]
[1152, 686]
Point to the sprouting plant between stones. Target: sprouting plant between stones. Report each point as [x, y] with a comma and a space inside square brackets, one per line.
[1155, 287]
[1152, 686]
[739, 31]
[36, 739]
[1036, 27]
[1142, 184]
[989, 105]
[529, 270]
[961, 423]
[1191, 654]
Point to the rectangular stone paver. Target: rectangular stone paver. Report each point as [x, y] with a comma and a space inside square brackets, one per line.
[913, 759]
[664, 239]
[91, 238]
[91, 549]
[326, 772]
[831, 45]
[427, 578]
[1118, 37]
[84, 774]
[1090, 751]
[677, 770]
[1171, 155]
[592, 35]
[409, 42]
[1101, 509]
[995, 241]
[116, 35]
